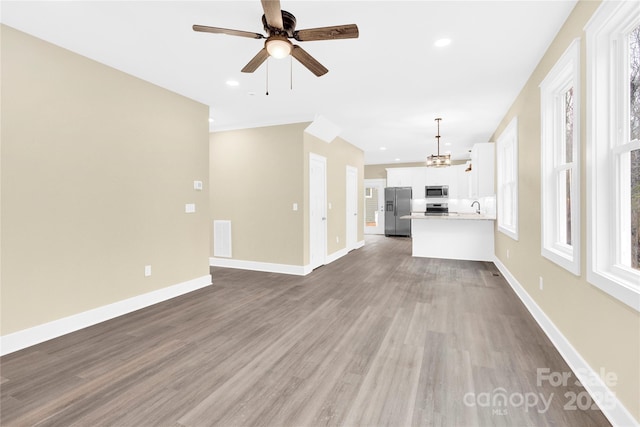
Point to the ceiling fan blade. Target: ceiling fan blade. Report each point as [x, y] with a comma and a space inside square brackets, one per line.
[216, 30]
[256, 61]
[335, 32]
[308, 61]
[273, 13]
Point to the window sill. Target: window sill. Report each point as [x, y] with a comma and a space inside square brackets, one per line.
[564, 260]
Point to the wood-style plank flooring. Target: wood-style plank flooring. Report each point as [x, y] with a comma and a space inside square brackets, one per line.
[377, 338]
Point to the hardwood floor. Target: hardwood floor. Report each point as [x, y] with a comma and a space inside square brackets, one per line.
[377, 338]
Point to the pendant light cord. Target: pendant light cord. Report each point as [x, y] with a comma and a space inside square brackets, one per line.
[438, 135]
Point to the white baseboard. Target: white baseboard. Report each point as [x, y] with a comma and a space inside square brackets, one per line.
[342, 252]
[268, 267]
[614, 410]
[37, 334]
[359, 244]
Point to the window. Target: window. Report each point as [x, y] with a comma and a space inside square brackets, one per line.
[613, 151]
[560, 198]
[507, 168]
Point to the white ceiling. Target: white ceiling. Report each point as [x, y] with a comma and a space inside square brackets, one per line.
[383, 89]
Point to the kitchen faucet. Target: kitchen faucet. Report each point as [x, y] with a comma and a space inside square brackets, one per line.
[478, 208]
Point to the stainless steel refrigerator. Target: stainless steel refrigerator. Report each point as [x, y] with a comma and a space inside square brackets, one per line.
[397, 204]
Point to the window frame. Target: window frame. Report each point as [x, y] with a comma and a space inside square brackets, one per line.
[606, 108]
[507, 179]
[564, 75]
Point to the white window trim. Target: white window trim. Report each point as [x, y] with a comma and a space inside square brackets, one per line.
[564, 75]
[508, 139]
[603, 101]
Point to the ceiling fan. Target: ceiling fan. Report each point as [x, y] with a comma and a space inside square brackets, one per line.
[280, 26]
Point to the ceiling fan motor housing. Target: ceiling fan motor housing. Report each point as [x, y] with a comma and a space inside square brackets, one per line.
[288, 22]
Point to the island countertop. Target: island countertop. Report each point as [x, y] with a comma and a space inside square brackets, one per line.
[451, 216]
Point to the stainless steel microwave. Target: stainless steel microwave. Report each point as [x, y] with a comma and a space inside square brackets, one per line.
[436, 191]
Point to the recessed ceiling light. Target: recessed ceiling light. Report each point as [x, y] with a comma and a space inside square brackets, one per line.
[442, 42]
[447, 144]
[397, 160]
[232, 83]
[383, 148]
[210, 120]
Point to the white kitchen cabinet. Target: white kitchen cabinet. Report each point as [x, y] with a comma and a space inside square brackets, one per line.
[418, 181]
[419, 177]
[462, 179]
[481, 176]
[399, 177]
[438, 176]
[446, 176]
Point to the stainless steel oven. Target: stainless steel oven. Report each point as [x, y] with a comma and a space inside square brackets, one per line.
[437, 209]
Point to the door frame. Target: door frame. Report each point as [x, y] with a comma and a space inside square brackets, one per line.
[381, 184]
[317, 259]
[351, 241]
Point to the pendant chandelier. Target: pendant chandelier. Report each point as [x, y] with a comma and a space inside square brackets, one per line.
[439, 160]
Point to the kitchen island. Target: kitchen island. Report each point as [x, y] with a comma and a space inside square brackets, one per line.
[466, 236]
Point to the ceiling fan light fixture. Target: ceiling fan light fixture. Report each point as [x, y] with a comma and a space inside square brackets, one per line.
[278, 47]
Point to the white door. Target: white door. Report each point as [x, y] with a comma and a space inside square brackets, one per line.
[374, 206]
[317, 210]
[352, 207]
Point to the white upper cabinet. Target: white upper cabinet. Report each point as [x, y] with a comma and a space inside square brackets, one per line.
[419, 177]
[399, 177]
[481, 177]
[418, 182]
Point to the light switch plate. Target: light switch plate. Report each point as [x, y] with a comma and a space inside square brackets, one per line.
[147, 270]
[190, 208]
[295, 206]
[197, 185]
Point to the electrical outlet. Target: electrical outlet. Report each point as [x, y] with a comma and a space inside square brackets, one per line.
[541, 283]
[147, 270]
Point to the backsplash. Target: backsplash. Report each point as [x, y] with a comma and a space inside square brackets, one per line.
[487, 205]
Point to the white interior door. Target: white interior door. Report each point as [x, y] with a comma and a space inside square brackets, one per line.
[352, 207]
[374, 206]
[317, 210]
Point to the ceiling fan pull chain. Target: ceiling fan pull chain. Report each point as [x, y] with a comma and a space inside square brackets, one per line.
[267, 83]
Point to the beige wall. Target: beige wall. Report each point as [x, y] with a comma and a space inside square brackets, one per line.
[96, 169]
[339, 154]
[603, 330]
[256, 177]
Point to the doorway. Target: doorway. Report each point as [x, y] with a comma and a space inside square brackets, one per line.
[352, 208]
[317, 210]
[374, 206]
